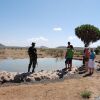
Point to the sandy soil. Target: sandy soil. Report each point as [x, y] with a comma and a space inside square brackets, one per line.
[97, 57]
[68, 89]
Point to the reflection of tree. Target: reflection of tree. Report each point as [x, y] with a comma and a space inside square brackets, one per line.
[59, 59]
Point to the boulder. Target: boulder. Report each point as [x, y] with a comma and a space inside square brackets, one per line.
[33, 77]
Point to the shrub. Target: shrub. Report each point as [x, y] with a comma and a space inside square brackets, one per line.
[77, 53]
[97, 50]
[86, 94]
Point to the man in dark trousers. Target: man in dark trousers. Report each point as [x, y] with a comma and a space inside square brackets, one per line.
[33, 57]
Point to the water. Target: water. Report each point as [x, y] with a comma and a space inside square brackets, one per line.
[21, 65]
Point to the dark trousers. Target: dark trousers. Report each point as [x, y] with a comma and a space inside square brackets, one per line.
[83, 60]
[32, 63]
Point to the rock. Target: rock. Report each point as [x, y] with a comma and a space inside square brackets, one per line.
[30, 79]
[74, 69]
[98, 61]
[7, 76]
[37, 78]
[81, 68]
[33, 77]
[21, 77]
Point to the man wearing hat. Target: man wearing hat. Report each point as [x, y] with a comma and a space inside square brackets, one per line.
[33, 57]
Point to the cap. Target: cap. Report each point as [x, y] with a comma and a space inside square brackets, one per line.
[68, 42]
[33, 43]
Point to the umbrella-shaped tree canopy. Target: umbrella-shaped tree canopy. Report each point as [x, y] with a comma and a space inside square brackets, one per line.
[87, 33]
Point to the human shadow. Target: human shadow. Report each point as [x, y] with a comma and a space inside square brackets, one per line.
[62, 73]
[88, 74]
[82, 70]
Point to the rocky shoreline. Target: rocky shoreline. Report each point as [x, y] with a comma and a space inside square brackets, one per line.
[14, 77]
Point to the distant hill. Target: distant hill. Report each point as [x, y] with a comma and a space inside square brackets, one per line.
[79, 48]
[43, 47]
[2, 46]
[61, 47]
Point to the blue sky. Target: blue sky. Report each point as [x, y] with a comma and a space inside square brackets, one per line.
[47, 22]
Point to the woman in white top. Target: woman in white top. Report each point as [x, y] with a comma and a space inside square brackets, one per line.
[91, 62]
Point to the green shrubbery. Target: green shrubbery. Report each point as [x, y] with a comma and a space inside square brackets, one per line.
[78, 53]
[85, 94]
[55, 52]
[97, 50]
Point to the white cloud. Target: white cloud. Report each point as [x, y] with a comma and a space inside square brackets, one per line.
[71, 37]
[38, 40]
[76, 42]
[42, 39]
[14, 43]
[57, 29]
[95, 44]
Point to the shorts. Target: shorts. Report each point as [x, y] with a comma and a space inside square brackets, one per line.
[68, 61]
[91, 63]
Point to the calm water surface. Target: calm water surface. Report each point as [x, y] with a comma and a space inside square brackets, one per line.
[21, 65]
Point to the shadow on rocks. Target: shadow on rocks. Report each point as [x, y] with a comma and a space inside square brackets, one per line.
[88, 74]
[21, 77]
[62, 73]
[82, 70]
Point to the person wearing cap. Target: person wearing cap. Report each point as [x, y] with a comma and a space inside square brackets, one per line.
[32, 52]
[69, 56]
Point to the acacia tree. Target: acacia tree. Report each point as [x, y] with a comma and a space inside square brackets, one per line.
[87, 33]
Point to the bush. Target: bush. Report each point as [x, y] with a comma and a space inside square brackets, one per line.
[77, 53]
[97, 50]
[86, 94]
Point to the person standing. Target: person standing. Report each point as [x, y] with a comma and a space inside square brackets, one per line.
[87, 55]
[91, 62]
[69, 57]
[84, 57]
[32, 52]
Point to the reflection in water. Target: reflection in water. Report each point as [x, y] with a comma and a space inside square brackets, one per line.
[59, 59]
[21, 65]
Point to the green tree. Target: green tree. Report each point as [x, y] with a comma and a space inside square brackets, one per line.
[87, 33]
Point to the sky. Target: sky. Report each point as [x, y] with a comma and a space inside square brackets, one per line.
[49, 23]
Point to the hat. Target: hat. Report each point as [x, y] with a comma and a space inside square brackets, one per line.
[33, 43]
[68, 42]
